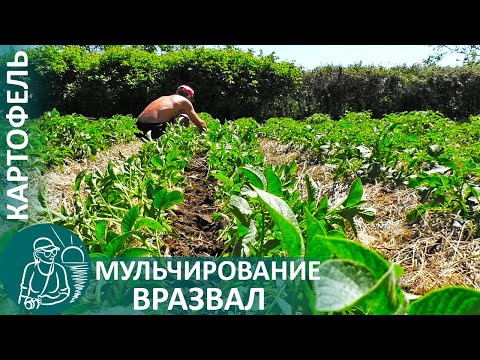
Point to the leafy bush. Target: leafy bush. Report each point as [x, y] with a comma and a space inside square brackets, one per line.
[229, 83]
[336, 90]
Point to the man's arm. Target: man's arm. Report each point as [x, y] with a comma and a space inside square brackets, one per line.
[193, 116]
[25, 284]
[199, 123]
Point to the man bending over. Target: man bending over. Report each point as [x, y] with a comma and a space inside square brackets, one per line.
[166, 109]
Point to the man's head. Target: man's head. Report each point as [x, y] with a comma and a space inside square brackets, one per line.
[186, 91]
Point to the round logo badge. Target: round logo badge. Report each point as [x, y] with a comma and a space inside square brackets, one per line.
[45, 269]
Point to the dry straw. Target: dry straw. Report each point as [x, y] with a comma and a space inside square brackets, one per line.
[432, 251]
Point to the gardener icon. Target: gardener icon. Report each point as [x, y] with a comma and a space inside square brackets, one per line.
[44, 281]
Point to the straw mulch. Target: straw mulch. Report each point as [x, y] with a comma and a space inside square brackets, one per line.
[59, 180]
[432, 251]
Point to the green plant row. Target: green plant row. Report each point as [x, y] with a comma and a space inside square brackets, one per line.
[54, 138]
[423, 150]
[122, 212]
[271, 220]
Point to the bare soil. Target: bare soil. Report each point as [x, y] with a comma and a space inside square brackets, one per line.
[196, 232]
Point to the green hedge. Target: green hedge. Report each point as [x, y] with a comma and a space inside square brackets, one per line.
[229, 83]
[335, 90]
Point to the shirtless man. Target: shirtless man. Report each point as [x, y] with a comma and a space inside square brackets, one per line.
[166, 109]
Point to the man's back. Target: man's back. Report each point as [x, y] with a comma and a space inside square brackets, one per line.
[164, 109]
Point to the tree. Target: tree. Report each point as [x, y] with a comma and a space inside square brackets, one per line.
[101, 48]
[150, 48]
[169, 48]
[470, 53]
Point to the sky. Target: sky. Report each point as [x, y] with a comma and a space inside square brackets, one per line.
[311, 56]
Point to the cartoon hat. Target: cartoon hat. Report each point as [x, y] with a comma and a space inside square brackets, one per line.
[45, 244]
